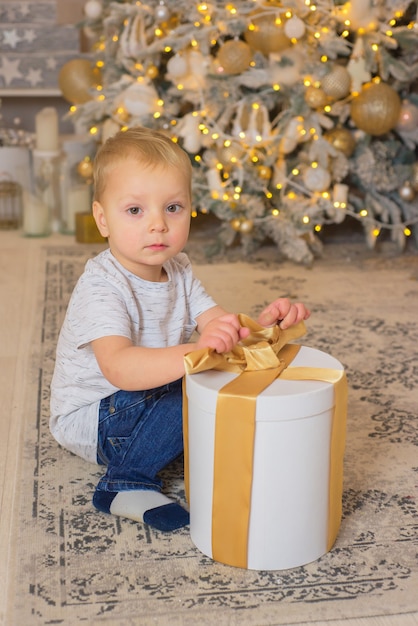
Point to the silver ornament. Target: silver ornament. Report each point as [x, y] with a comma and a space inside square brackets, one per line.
[162, 12]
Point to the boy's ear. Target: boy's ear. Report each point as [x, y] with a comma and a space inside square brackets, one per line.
[100, 219]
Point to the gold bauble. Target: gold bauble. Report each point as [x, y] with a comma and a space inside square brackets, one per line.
[264, 172]
[266, 33]
[85, 168]
[342, 139]
[234, 56]
[337, 83]
[235, 224]
[376, 109]
[231, 153]
[316, 97]
[76, 80]
[152, 71]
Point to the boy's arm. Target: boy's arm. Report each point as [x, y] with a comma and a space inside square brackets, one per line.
[134, 368]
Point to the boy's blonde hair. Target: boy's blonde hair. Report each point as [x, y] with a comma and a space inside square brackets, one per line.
[150, 147]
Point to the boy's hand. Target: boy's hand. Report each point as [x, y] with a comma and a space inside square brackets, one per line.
[284, 313]
[222, 333]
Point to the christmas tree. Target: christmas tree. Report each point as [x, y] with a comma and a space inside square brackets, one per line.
[295, 114]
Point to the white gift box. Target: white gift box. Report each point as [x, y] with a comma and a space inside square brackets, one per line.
[290, 492]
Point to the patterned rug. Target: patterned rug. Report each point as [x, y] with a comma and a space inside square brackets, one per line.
[77, 565]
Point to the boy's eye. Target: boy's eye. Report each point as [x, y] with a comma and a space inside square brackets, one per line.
[173, 208]
[134, 210]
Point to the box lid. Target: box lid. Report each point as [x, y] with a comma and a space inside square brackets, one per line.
[283, 399]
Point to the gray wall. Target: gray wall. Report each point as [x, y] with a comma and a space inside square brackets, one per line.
[36, 38]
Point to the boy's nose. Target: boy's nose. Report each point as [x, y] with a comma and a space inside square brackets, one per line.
[157, 223]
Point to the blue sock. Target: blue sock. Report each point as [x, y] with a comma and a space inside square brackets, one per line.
[149, 506]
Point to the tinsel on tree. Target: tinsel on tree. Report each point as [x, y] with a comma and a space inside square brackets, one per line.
[295, 114]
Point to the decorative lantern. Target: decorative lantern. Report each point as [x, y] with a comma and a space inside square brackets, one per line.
[10, 204]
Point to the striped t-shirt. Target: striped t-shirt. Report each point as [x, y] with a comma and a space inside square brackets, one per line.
[110, 300]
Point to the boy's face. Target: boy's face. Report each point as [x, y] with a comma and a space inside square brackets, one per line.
[145, 213]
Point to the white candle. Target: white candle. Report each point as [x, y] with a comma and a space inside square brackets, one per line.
[340, 194]
[46, 128]
[35, 216]
[78, 201]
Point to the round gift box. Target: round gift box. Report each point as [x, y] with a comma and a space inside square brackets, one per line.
[290, 493]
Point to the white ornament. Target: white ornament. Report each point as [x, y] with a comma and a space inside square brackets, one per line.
[188, 68]
[134, 37]
[93, 9]
[285, 67]
[110, 128]
[294, 28]
[279, 178]
[162, 12]
[317, 178]
[140, 99]
[214, 180]
[177, 66]
[188, 130]
[253, 122]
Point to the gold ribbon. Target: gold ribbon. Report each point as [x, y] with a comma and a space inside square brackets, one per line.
[259, 359]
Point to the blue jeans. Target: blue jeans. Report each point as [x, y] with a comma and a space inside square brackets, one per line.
[140, 432]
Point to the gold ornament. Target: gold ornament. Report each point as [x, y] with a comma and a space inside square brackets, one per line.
[76, 80]
[337, 83]
[264, 172]
[85, 168]
[230, 153]
[376, 109]
[406, 192]
[152, 71]
[342, 139]
[266, 33]
[316, 97]
[234, 56]
[235, 224]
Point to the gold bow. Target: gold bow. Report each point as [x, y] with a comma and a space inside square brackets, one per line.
[259, 359]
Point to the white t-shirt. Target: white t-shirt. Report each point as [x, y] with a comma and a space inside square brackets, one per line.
[110, 300]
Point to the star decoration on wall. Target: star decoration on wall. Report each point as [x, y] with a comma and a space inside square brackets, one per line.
[24, 9]
[11, 38]
[10, 70]
[34, 77]
[51, 63]
[29, 35]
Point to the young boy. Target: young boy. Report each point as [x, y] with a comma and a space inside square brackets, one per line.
[116, 394]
